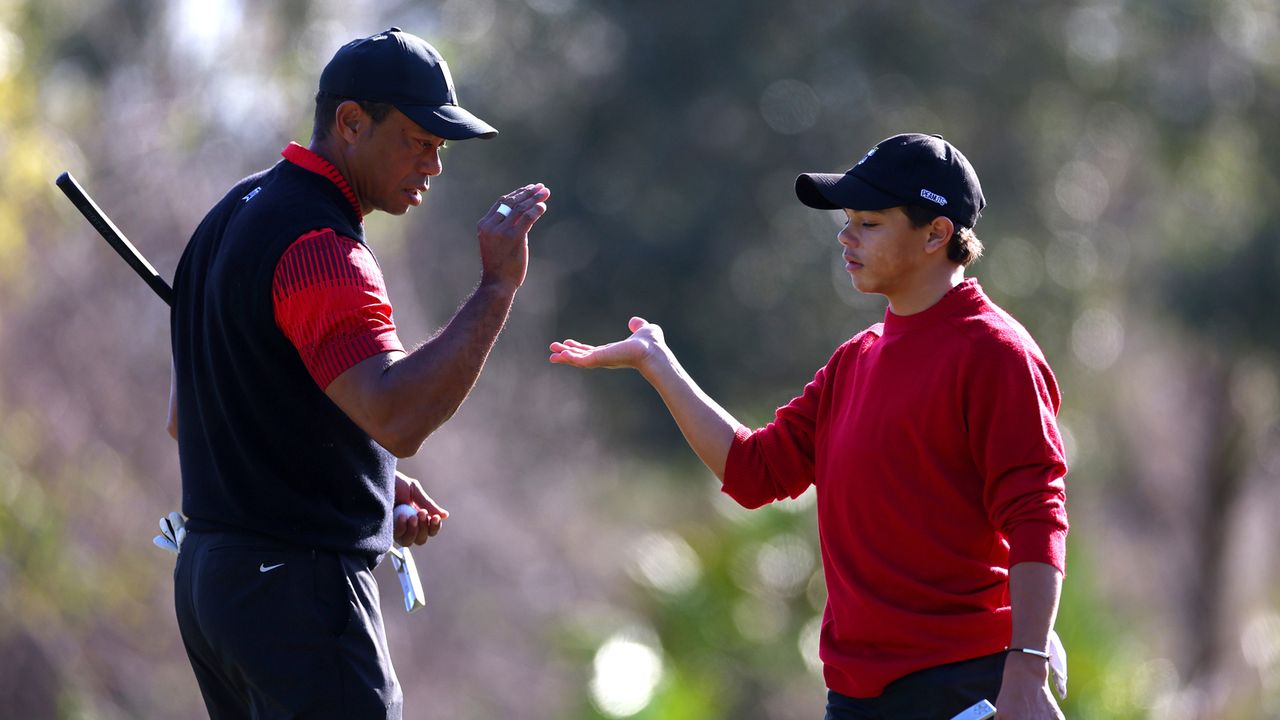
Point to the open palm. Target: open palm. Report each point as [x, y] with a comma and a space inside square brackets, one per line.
[645, 339]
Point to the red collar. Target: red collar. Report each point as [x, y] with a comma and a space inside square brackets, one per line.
[308, 160]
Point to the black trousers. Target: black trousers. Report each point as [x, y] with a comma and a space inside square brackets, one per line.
[936, 693]
[279, 632]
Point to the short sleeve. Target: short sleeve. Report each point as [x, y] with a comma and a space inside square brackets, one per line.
[331, 302]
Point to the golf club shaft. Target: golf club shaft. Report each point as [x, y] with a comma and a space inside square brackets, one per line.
[113, 236]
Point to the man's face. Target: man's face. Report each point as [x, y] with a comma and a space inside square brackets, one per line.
[392, 163]
[883, 253]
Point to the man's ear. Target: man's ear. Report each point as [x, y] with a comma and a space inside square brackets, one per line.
[348, 119]
[940, 231]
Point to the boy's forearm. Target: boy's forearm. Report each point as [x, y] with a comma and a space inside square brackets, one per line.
[708, 428]
[1034, 590]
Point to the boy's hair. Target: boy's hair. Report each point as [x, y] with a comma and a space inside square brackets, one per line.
[327, 104]
[964, 247]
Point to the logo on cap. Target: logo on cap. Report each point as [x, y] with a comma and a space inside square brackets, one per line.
[448, 80]
[935, 197]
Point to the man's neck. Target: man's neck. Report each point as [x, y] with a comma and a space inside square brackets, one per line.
[328, 150]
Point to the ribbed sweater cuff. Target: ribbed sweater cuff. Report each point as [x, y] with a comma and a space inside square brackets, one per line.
[1042, 542]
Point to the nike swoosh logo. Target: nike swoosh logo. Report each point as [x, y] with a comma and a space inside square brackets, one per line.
[268, 568]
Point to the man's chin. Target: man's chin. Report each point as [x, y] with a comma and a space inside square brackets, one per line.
[400, 208]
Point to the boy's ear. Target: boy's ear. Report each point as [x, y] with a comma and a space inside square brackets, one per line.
[940, 231]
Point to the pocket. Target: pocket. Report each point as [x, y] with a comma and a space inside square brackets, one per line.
[242, 586]
[331, 589]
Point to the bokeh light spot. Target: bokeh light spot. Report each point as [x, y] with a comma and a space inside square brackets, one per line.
[1014, 267]
[784, 564]
[468, 21]
[626, 670]
[665, 562]
[1260, 641]
[1097, 337]
[810, 636]
[10, 53]
[1082, 191]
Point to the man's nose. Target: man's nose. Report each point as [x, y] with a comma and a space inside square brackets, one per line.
[431, 164]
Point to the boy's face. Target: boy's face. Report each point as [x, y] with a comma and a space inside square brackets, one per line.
[883, 253]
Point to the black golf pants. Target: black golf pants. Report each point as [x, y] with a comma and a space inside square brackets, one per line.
[279, 632]
[935, 693]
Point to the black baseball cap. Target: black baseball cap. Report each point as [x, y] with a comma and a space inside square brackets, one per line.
[402, 69]
[908, 169]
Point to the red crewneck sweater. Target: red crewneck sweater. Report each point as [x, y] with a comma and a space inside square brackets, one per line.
[933, 445]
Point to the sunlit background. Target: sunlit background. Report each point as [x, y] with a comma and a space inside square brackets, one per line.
[591, 569]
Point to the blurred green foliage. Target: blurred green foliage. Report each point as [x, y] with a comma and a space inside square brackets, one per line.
[1125, 151]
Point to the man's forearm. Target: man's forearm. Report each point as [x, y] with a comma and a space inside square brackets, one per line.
[708, 428]
[428, 385]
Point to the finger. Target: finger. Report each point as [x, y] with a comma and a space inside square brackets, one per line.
[636, 323]
[527, 217]
[526, 195]
[570, 344]
[533, 198]
[424, 528]
[528, 191]
[571, 357]
[426, 504]
[509, 199]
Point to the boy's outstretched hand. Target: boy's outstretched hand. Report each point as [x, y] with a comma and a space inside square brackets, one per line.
[644, 344]
[707, 426]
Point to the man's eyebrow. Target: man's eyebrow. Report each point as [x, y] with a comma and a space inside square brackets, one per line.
[425, 137]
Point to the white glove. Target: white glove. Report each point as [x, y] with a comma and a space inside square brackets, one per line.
[173, 530]
[1057, 664]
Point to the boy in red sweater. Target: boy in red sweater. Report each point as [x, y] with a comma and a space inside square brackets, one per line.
[932, 442]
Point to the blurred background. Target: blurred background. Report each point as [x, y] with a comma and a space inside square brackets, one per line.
[591, 568]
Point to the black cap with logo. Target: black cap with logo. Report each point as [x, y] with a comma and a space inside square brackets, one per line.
[402, 69]
[908, 169]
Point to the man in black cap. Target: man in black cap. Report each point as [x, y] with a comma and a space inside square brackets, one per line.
[932, 444]
[293, 395]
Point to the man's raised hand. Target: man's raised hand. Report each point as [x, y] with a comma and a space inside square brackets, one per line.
[503, 233]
